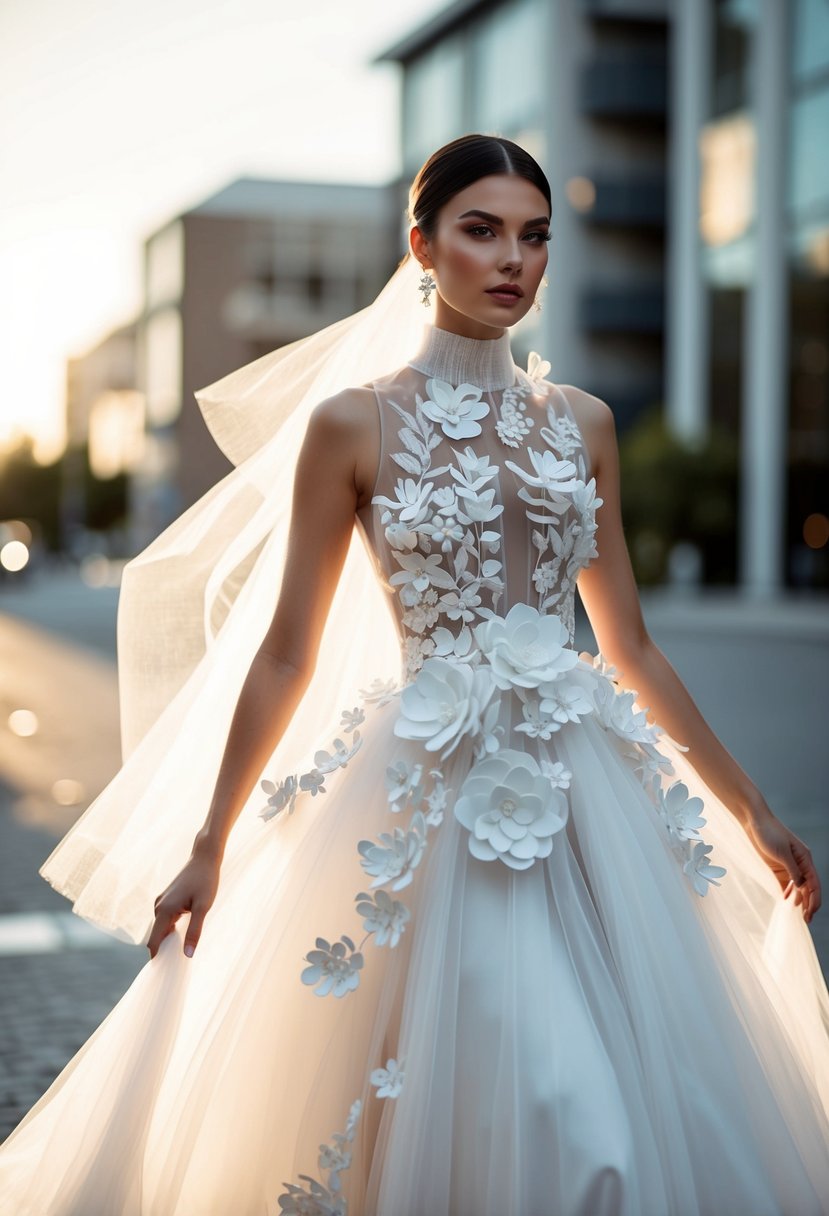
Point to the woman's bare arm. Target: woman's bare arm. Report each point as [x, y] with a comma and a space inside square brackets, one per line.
[610, 595]
[326, 494]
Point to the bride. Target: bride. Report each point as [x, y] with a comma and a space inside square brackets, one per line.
[588, 987]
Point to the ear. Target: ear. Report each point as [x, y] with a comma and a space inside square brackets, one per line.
[420, 247]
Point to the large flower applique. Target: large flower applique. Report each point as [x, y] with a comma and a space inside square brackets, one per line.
[510, 809]
[456, 410]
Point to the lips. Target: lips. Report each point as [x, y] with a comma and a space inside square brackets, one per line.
[506, 289]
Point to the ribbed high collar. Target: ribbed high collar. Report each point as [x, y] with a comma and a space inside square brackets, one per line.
[485, 362]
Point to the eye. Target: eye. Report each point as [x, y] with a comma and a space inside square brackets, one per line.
[478, 229]
[540, 236]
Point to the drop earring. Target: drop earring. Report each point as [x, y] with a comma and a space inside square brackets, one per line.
[536, 301]
[427, 285]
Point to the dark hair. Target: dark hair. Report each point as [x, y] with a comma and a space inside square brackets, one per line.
[460, 163]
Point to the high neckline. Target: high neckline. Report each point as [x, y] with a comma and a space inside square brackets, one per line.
[485, 362]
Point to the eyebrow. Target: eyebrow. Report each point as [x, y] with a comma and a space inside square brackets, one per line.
[495, 219]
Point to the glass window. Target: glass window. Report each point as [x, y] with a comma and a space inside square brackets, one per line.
[809, 169]
[510, 38]
[163, 367]
[434, 99]
[810, 38]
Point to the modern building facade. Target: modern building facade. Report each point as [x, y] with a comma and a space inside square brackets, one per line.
[252, 268]
[685, 141]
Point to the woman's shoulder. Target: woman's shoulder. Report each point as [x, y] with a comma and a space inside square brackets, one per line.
[587, 408]
[594, 418]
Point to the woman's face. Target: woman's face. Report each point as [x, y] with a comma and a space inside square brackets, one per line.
[491, 234]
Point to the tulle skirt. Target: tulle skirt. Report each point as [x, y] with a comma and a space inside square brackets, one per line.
[587, 1037]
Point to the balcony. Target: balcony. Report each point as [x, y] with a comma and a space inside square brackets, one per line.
[627, 84]
[628, 202]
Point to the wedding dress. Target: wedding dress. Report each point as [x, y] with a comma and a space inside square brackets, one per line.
[491, 949]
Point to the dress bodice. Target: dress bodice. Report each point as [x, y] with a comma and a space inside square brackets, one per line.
[483, 498]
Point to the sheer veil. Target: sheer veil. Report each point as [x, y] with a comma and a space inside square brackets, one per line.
[196, 602]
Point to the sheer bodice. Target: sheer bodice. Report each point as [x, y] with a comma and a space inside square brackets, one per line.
[483, 498]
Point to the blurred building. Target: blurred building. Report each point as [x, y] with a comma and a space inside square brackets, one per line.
[104, 421]
[254, 267]
[689, 265]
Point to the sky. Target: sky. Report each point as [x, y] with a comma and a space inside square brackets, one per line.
[115, 116]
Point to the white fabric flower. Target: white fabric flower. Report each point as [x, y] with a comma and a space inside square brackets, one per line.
[421, 571]
[411, 498]
[383, 916]
[436, 801]
[680, 813]
[401, 537]
[353, 1119]
[403, 783]
[556, 773]
[379, 692]
[333, 968]
[551, 474]
[389, 1080]
[279, 797]
[537, 368]
[565, 700]
[313, 781]
[616, 713]
[700, 870]
[525, 648]
[443, 703]
[456, 410]
[397, 856]
[327, 762]
[317, 1200]
[511, 809]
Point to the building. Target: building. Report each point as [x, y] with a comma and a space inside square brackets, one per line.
[252, 268]
[685, 143]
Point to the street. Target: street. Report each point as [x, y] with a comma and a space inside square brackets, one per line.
[760, 677]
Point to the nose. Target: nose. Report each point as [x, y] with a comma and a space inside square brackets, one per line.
[512, 258]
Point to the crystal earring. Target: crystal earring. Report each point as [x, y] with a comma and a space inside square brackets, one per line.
[536, 301]
[426, 286]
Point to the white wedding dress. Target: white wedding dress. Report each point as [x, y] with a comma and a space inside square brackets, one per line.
[496, 950]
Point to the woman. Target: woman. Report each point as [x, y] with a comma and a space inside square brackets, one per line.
[566, 1005]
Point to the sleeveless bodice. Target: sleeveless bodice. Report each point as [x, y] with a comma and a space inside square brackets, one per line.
[483, 498]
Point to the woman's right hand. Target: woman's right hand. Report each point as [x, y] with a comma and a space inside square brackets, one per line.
[193, 890]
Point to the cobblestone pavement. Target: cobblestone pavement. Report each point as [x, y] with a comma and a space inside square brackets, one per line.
[59, 976]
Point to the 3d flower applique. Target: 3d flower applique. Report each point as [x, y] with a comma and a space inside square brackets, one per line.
[397, 855]
[537, 368]
[510, 809]
[333, 968]
[525, 648]
[443, 704]
[680, 812]
[279, 796]
[556, 773]
[318, 1199]
[383, 916]
[380, 692]
[403, 783]
[455, 410]
[562, 434]
[700, 870]
[352, 718]
[389, 1080]
[410, 501]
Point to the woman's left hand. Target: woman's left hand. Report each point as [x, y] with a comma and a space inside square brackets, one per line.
[788, 858]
